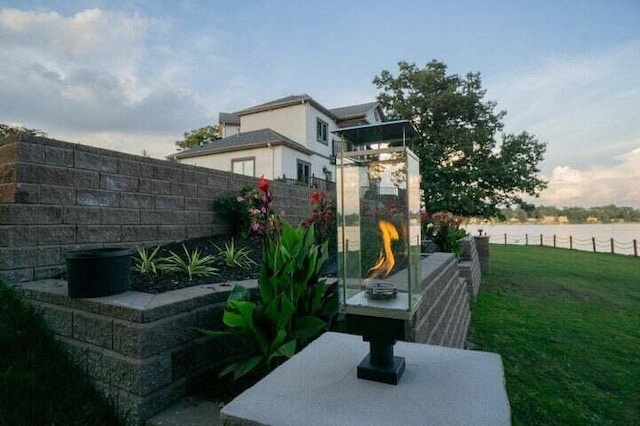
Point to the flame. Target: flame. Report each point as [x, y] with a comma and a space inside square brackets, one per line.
[386, 260]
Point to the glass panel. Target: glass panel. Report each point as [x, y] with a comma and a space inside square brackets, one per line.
[237, 167]
[379, 229]
[248, 169]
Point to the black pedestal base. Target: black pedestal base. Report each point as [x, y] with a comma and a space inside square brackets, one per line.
[390, 373]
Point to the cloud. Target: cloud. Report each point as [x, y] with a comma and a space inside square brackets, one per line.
[596, 185]
[586, 109]
[87, 76]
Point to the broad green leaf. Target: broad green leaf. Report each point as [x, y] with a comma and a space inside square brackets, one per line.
[305, 327]
[239, 314]
[247, 366]
[239, 293]
[288, 349]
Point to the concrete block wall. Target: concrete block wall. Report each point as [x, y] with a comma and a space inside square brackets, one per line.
[469, 266]
[139, 350]
[443, 315]
[57, 196]
[484, 254]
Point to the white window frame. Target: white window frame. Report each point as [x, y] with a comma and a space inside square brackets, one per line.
[243, 161]
[322, 131]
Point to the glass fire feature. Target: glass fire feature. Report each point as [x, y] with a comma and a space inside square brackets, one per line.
[379, 251]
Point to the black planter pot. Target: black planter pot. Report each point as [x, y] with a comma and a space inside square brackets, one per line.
[98, 272]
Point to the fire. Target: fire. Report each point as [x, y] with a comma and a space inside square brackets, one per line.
[386, 260]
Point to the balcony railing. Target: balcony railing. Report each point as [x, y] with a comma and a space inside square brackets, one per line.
[311, 182]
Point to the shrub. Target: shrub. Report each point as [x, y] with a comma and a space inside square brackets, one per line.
[146, 261]
[444, 228]
[194, 264]
[232, 257]
[234, 209]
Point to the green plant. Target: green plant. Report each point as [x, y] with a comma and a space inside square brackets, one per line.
[292, 297]
[234, 209]
[146, 261]
[232, 257]
[194, 264]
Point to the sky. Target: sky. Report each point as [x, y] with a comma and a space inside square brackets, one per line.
[136, 75]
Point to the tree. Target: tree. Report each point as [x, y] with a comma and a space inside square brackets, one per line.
[198, 137]
[6, 130]
[464, 169]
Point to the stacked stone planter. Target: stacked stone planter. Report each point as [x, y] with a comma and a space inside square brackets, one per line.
[140, 350]
[469, 265]
[484, 255]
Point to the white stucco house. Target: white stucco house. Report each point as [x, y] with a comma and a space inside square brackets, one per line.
[290, 138]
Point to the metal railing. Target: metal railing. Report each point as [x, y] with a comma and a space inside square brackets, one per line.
[311, 182]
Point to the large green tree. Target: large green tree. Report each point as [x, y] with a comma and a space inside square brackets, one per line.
[464, 168]
[198, 137]
[8, 129]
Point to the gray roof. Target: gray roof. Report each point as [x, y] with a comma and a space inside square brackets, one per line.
[285, 102]
[353, 111]
[254, 139]
[228, 118]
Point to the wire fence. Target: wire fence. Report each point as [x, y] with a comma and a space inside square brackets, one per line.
[585, 244]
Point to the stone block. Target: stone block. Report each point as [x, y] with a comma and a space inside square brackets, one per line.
[99, 233]
[137, 201]
[200, 204]
[30, 153]
[8, 153]
[58, 156]
[7, 193]
[94, 329]
[28, 214]
[43, 272]
[147, 339]
[168, 173]
[119, 182]
[59, 234]
[93, 161]
[169, 202]
[62, 195]
[75, 350]
[206, 218]
[194, 176]
[16, 275]
[155, 186]
[209, 192]
[163, 217]
[135, 168]
[140, 377]
[58, 319]
[139, 233]
[197, 231]
[98, 198]
[119, 216]
[81, 215]
[27, 193]
[172, 232]
[18, 236]
[62, 176]
[25, 257]
[134, 410]
[184, 189]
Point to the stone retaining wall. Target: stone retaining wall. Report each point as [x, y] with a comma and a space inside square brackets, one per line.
[57, 196]
[443, 315]
[469, 265]
[484, 255]
[139, 350]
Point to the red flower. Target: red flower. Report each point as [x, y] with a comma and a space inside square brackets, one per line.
[316, 196]
[263, 185]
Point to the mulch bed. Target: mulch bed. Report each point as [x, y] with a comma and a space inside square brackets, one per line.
[166, 281]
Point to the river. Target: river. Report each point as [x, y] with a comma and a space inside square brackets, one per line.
[579, 237]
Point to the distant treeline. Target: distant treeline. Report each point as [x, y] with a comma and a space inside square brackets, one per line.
[604, 214]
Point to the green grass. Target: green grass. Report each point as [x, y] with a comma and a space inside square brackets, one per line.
[567, 325]
[38, 384]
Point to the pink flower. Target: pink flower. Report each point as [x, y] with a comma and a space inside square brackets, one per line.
[255, 226]
[239, 199]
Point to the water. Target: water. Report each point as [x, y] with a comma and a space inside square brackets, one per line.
[580, 237]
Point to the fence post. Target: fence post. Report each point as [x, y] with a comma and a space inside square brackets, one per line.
[526, 239]
[540, 239]
[635, 248]
[554, 240]
[612, 250]
[505, 239]
[570, 242]
[593, 242]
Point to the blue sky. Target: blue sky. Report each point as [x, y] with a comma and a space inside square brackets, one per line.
[136, 75]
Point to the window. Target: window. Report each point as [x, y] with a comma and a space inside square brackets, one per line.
[244, 166]
[321, 131]
[304, 170]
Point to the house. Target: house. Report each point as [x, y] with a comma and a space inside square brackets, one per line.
[289, 138]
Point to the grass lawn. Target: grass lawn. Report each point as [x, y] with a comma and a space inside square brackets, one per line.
[567, 324]
[38, 384]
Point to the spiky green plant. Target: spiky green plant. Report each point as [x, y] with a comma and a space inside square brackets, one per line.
[233, 257]
[146, 261]
[194, 264]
